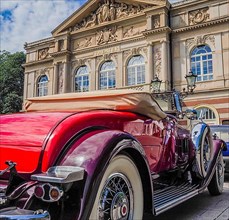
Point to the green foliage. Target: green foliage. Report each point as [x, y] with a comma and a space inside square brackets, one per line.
[11, 81]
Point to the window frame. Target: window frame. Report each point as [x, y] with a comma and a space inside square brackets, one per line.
[201, 62]
[107, 75]
[83, 76]
[42, 86]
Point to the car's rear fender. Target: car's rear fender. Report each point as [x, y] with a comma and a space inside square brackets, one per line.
[93, 151]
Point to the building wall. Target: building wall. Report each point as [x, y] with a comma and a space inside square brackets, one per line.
[163, 34]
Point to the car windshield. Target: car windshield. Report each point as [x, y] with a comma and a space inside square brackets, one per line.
[222, 131]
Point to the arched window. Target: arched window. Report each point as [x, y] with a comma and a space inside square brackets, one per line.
[136, 70]
[42, 87]
[207, 115]
[201, 62]
[107, 75]
[82, 79]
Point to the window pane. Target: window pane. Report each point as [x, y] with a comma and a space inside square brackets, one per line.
[42, 86]
[201, 62]
[136, 70]
[107, 75]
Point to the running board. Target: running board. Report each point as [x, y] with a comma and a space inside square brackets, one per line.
[171, 196]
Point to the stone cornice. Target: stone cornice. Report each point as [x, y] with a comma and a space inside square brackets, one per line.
[61, 53]
[158, 30]
[37, 62]
[206, 24]
[39, 42]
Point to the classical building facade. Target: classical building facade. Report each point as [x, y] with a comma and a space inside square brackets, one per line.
[110, 44]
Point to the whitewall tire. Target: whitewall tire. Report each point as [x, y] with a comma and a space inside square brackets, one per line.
[120, 194]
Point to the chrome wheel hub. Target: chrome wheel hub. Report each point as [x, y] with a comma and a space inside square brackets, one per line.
[120, 206]
[116, 199]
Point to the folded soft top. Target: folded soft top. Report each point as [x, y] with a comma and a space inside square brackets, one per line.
[123, 100]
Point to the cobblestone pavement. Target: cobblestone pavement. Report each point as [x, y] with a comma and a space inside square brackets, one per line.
[202, 207]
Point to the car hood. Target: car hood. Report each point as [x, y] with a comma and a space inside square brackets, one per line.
[22, 136]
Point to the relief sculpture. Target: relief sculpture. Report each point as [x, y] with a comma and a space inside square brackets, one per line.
[198, 16]
[129, 32]
[43, 53]
[108, 10]
[107, 35]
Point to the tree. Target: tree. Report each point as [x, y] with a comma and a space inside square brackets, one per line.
[11, 81]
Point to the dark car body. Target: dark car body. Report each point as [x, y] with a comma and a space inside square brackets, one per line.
[222, 132]
[111, 155]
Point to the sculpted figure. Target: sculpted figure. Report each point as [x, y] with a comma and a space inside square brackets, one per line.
[106, 10]
[122, 11]
[112, 11]
[99, 14]
[92, 21]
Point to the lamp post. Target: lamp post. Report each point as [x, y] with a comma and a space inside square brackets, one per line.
[191, 81]
[156, 84]
[191, 84]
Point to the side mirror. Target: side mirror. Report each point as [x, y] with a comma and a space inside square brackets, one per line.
[191, 114]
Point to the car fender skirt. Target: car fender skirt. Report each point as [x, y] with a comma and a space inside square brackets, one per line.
[94, 151]
[207, 149]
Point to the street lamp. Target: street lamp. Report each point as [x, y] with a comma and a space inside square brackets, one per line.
[191, 84]
[191, 81]
[156, 84]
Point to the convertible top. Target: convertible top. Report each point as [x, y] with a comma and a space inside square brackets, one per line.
[122, 100]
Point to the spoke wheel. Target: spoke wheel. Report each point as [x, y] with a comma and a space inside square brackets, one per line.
[206, 153]
[120, 195]
[216, 185]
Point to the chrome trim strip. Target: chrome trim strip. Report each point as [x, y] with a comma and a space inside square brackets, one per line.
[33, 216]
[60, 174]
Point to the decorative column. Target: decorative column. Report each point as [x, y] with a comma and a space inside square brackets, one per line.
[55, 79]
[165, 65]
[150, 63]
[65, 78]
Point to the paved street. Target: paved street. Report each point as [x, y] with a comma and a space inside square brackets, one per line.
[201, 207]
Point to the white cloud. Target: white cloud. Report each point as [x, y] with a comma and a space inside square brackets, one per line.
[31, 20]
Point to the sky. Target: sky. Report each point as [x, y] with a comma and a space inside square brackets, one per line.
[31, 20]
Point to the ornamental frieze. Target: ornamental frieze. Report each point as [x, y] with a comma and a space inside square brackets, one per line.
[131, 31]
[200, 40]
[157, 61]
[87, 42]
[109, 10]
[198, 16]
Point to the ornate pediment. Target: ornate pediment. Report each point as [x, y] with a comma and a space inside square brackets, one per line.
[97, 12]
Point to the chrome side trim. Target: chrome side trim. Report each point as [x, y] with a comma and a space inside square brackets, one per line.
[13, 213]
[60, 174]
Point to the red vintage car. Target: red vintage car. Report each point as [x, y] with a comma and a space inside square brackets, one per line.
[104, 155]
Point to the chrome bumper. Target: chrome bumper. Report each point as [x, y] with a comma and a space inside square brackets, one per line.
[13, 213]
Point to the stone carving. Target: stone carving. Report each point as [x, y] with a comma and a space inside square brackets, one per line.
[129, 32]
[43, 53]
[106, 35]
[61, 45]
[126, 53]
[84, 43]
[108, 10]
[79, 62]
[157, 61]
[92, 21]
[61, 78]
[199, 40]
[198, 16]
[156, 22]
